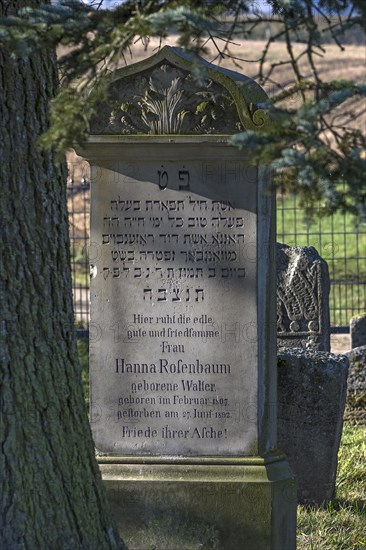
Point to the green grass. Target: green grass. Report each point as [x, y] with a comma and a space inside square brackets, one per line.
[342, 523]
[351, 478]
[341, 244]
[79, 269]
[83, 351]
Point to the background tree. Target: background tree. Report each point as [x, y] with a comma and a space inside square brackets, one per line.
[51, 492]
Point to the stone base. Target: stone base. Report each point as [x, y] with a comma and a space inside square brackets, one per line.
[206, 503]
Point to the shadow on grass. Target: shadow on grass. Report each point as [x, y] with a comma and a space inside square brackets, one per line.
[358, 505]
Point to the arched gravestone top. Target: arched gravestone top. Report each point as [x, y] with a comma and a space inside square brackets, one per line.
[161, 95]
[182, 287]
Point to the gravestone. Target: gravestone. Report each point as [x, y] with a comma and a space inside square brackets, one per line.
[302, 298]
[312, 389]
[356, 386]
[183, 344]
[358, 331]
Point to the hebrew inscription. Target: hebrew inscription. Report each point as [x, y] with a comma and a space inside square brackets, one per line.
[174, 308]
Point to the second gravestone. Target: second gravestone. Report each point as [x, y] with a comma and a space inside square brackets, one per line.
[302, 298]
[183, 346]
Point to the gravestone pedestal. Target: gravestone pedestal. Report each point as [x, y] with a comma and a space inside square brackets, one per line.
[247, 503]
[183, 333]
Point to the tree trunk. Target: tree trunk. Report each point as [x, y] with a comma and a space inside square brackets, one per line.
[51, 491]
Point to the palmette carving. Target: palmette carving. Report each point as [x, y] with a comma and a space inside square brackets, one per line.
[166, 100]
[302, 298]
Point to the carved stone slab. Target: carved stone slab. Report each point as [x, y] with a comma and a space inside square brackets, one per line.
[302, 298]
[174, 301]
[356, 386]
[358, 331]
[312, 390]
[182, 290]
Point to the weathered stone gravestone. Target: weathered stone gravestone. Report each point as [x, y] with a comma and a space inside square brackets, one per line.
[183, 348]
[356, 386]
[358, 331]
[302, 298]
[312, 389]
[311, 384]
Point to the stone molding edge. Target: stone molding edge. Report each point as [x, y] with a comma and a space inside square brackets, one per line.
[193, 460]
[254, 470]
[103, 148]
[157, 138]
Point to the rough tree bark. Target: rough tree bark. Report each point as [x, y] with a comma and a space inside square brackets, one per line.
[51, 492]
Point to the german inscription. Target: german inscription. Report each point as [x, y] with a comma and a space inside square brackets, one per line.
[173, 309]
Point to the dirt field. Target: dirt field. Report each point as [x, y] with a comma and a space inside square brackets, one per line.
[333, 64]
[340, 343]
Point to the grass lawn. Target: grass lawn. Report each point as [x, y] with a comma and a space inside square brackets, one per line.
[342, 523]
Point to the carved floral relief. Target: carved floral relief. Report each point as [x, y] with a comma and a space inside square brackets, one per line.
[167, 100]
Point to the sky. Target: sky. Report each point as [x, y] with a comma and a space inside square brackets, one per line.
[257, 4]
[254, 5]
